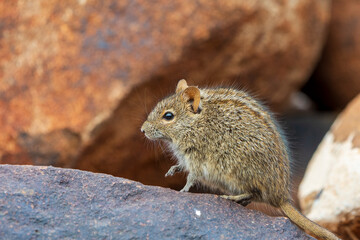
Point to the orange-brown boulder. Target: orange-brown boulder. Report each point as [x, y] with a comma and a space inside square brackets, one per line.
[78, 77]
[336, 80]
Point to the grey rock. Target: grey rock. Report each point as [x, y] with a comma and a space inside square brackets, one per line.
[54, 203]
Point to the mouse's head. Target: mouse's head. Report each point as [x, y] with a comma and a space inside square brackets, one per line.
[174, 115]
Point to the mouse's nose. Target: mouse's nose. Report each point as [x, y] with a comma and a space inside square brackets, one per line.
[142, 129]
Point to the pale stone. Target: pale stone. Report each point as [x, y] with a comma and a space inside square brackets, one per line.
[330, 191]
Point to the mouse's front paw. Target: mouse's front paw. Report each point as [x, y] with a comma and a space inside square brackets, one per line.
[174, 169]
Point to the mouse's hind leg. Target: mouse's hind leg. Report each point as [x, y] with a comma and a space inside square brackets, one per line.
[244, 199]
[190, 180]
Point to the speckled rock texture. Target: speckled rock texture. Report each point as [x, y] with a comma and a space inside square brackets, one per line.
[329, 193]
[336, 80]
[54, 203]
[85, 73]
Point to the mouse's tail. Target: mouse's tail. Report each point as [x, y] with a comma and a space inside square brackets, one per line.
[305, 223]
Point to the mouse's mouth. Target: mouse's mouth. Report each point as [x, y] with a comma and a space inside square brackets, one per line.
[156, 138]
[151, 137]
[156, 135]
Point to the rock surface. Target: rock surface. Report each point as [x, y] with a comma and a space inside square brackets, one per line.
[55, 203]
[96, 68]
[336, 80]
[329, 193]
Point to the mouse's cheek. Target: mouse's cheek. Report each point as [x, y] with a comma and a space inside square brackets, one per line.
[154, 134]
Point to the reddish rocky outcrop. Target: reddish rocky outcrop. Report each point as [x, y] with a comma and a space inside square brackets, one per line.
[84, 73]
[336, 79]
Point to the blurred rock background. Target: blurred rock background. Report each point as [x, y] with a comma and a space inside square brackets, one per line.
[77, 78]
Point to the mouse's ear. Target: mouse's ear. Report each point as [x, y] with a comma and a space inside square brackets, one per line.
[193, 94]
[182, 85]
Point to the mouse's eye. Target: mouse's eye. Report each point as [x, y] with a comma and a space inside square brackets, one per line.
[168, 116]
